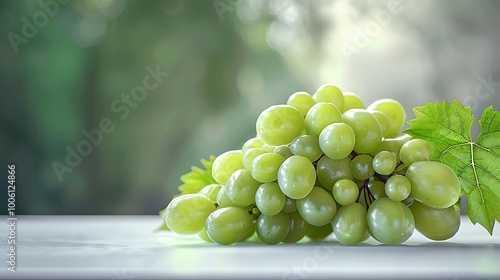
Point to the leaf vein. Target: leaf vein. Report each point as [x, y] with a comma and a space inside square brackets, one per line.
[440, 125]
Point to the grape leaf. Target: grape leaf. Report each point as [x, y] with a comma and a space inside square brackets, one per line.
[198, 178]
[163, 226]
[447, 127]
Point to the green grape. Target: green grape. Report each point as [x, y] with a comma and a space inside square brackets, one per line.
[366, 128]
[377, 189]
[433, 184]
[436, 224]
[297, 228]
[250, 154]
[319, 233]
[408, 201]
[384, 162]
[367, 234]
[265, 167]
[269, 148]
[251, 143]
[283, 150]
[318, 184]
[390, 222]
[241, 188]
[269, 199]
[290, 205]
[203, 235]
[186, 214]
[250, 234]
[352, 101]
[296, 177]
[345, 191]
[387, 145]
[383, 120]
[211, 191]
[279, 125]
[301, 101]
[394, 111]
[226, 164]
[397, 187]
[317, 208]
[321, 115]
[361, 167]
[392, 145]
[255, 210]
[402, 171]
[415, 150]
[331, 170]
[330, 94]
[306, 146]
[337, 140]
[224, 201]
[273, 229]
[349, 224]
[228, 225]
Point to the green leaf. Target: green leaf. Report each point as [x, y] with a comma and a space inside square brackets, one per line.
[447, 127]
[163, 226]
[198, 178]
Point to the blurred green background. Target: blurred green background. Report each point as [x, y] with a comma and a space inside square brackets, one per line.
[69, 66]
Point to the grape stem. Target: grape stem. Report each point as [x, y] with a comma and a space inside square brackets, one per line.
[365, 190]
[380, 177]
[400, 166]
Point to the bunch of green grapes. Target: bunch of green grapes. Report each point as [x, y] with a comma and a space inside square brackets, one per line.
[321, 164]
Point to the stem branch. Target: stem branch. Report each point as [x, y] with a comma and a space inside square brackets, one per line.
[380, 177]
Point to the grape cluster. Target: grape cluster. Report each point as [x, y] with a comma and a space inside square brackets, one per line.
[321, 164]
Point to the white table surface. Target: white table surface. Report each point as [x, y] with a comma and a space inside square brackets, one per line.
[126, 247]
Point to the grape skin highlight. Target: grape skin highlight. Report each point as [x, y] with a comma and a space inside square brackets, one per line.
[337, 140]
[279, 125]
[228, 225]
[296, 177]
[390, 222]
[187, 214]
[367, 129]
[394, 111]
[433, 184]
[225, 164]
